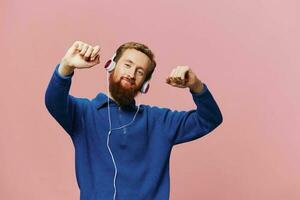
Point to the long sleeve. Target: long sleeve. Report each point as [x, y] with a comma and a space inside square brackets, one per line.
[65, 108]
[185, 126]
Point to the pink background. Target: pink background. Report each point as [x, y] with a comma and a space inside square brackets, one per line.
[247, 52]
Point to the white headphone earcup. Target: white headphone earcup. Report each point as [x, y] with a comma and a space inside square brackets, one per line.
[110, 65]
[145, 87]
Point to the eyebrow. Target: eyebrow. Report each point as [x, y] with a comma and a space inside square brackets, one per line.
[130, 61]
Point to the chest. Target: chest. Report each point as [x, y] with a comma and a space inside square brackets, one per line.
[129, 137]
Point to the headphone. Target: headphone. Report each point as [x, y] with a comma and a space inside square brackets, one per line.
[110, 66]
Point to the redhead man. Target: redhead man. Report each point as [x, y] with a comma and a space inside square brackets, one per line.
[122, 150]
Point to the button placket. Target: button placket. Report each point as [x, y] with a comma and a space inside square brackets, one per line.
[120, 119]
[124, 137]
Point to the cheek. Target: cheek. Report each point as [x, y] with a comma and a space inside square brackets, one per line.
[120, 70]
[117, 74]
[140, 81]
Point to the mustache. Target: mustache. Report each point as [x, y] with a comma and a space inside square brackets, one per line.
[132, 81]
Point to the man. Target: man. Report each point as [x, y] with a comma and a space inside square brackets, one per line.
[122, 150]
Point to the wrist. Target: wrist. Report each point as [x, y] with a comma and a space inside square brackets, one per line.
[197, 87]
[65, 69]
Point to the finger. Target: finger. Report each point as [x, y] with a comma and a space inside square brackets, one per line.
[96, 50]
[177, 75]
[173, 73]
[76, 45]
[176, 85]
[81, 44]
[171, 82]
[88, 52]
[98, 59]
[84, 49]
[72, 49]
[177, 69]
[182, 74]
[95, 61]
[170, 75]
[170, 78]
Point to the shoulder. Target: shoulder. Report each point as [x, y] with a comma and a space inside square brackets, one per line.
[157, 110]
[81, 102]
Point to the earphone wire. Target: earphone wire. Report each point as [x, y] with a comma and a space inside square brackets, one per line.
[111, 129]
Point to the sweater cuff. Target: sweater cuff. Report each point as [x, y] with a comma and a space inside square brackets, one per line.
[62, 80]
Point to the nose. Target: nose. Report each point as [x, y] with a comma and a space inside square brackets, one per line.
[131, 72]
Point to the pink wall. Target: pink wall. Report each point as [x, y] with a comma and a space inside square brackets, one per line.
[247, 52]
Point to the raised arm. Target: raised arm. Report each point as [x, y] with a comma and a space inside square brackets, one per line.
[65, 108]
[184, 126]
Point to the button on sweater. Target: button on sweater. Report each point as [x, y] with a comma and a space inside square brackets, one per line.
[141, 150]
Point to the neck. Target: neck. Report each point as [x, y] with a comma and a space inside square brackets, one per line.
[110, 96]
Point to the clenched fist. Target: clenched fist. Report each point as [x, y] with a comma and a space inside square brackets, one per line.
[182, 77]
[79, 55]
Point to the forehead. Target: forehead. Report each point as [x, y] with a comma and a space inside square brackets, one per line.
[136, 57]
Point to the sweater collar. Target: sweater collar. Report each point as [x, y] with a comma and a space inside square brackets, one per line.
[101, 100]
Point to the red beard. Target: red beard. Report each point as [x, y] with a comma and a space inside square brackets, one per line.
[122, 91]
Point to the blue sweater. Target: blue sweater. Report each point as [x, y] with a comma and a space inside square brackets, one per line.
[141, 150]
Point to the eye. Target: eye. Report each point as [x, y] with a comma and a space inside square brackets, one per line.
[127, 66]
[141, 73]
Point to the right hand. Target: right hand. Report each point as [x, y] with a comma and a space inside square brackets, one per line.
[81, 55]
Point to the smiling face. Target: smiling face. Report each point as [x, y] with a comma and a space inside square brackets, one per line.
[133, 66]
[129, 75]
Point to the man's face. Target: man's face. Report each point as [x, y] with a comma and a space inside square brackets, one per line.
[128, 76]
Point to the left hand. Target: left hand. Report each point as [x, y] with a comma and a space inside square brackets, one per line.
[182, 77]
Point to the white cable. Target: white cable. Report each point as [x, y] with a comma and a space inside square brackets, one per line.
[109, 132]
